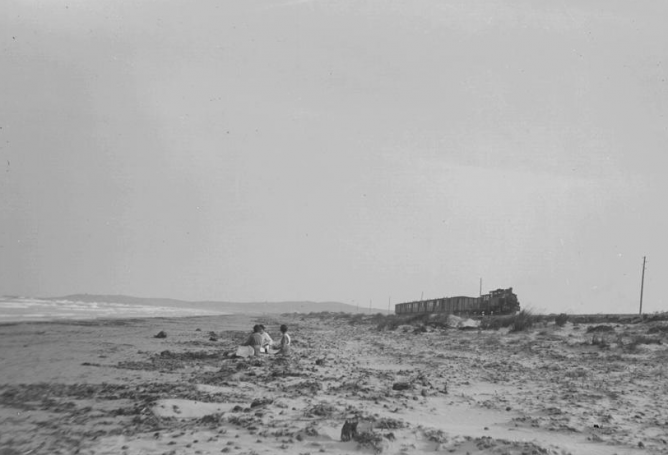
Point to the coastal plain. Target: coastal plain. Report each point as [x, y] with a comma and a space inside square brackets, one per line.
[414, 386]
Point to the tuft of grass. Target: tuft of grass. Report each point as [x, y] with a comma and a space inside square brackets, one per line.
[518, 322]
[371, 440]
[658, 329]
[391, 322]
[438, 436]
[388, 423]
[577, 373]
[492, 340]
[600, 340]
[495, 322]
[523, 320]
[659, 317]
[561, 319]
[356, 319]
[600, 328]
[641, 339]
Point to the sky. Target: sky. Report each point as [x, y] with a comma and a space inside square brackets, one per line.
[370, 152]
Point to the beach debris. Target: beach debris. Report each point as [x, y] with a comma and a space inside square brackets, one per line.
[349, 430]
[211, 419]
[321, 409]
[401, 386]
[261, 402]
[161, 334]
[422, 379]
[310, 387]
[311, 430]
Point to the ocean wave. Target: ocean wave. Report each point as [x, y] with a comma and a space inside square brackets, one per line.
[32, 309]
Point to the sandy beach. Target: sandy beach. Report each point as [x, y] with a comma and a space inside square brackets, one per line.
[113, 387]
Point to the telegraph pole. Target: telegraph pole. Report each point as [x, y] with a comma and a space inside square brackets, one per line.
[642, 282]
[480, 286]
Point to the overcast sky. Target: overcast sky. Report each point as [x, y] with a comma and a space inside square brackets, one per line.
[336, 150]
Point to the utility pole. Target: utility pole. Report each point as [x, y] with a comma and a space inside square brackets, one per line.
[421, 295]
[480, 287]
[642, 282]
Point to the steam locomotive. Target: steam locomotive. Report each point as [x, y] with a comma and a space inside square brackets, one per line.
[501, 301]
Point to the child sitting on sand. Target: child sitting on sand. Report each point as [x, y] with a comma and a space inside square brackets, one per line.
[255, 339]
[284, 342]
[266, 340]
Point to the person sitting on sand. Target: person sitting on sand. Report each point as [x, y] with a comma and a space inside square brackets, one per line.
[266, 340]
[284, 342]
[255, 339]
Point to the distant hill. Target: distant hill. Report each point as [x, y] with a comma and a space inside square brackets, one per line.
[226, 307]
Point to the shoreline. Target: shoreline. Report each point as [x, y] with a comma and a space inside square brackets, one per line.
[109, 319]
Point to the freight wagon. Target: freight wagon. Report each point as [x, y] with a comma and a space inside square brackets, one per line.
[501, 301]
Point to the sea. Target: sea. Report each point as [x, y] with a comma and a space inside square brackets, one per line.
[20, 309]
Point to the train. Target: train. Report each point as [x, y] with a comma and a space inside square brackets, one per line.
[500, 301]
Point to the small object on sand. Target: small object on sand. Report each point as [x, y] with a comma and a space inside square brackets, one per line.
[320, 362]
[349, 430]
[401, 386]
[245, 351]
[161, 334]
[261, 402]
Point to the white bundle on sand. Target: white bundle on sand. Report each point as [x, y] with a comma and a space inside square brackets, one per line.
[457, 322]
[245, 351]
